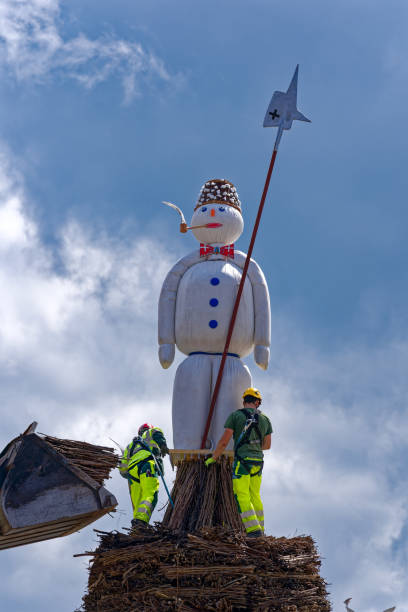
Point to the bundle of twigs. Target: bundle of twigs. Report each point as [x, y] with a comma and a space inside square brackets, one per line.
[212, 569]
[95, 461]
[203, 497]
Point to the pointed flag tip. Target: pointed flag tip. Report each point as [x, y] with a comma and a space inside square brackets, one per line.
[282, 109]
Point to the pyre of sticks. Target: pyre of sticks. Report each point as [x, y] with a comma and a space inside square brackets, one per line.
[203, 497]
[212, 569]
[95, 461]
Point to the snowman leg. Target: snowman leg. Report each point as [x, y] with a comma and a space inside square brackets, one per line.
[236, 378]
[191, 401]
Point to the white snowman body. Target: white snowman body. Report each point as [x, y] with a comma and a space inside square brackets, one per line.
[205, 298]
[195, 309]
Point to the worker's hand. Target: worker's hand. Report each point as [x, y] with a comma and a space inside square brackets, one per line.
[164, 450]
[209, 462]
[261, 356]
[166, 355]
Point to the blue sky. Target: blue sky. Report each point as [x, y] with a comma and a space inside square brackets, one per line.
[109, 108]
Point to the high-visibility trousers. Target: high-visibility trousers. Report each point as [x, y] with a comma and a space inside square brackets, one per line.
[144, 487]
[246, 484]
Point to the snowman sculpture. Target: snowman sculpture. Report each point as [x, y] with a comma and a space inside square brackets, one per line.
[195, 307]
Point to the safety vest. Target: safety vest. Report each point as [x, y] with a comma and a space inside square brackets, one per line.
[148, 439]
[136, 451]
[251, 424]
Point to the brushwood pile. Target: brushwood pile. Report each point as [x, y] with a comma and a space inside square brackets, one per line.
[210, 569]
[199, 558]
[96, 461]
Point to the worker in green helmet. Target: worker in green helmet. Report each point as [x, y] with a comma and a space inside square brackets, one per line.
[252, 433]
[139, 466]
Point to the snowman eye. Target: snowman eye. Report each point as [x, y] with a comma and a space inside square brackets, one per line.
[221, 208]
[204, 208]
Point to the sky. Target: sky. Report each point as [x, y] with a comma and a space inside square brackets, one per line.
[109, 108]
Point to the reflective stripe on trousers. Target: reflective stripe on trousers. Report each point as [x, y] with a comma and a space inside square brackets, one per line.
[145, 507]
[246, 489]
[260, 517]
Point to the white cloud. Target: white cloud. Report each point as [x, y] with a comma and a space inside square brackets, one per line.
[78, 353]
[82, 339]
[336, 467]
[33, 47]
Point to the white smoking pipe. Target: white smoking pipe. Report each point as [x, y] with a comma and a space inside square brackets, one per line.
[183, 224]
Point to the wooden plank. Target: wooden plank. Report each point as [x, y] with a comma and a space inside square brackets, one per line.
[54, 529]
[33, 536]
[178, 455]
[13, 543]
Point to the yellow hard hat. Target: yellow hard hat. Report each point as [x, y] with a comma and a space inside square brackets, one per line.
[253, 392]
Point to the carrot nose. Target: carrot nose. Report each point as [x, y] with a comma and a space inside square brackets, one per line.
[212, 213]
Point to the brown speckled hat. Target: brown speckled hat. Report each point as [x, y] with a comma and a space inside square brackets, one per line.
[219, 191]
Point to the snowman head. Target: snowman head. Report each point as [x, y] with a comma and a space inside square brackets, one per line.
[219, 209]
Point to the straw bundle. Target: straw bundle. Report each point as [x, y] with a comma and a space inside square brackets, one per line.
[95, 461]
[203, 497]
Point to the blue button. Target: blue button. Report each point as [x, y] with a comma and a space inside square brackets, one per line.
[213, 302]
[213, 323]
[215, 281]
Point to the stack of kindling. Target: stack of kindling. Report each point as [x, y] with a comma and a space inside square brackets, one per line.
[96, 461]
[211, 569]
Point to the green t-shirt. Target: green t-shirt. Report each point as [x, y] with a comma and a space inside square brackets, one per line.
[253, 447]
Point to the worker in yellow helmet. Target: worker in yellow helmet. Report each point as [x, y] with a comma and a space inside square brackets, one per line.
[252, 433]
[140, 464]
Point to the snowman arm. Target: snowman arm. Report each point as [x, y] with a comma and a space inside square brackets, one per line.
[261, 356]
[167, 309]
[166, 355]
[262, 314]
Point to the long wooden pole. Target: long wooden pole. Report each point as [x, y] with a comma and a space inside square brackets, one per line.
[240, 289]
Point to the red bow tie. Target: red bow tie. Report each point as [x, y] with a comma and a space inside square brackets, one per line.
[207, 249]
